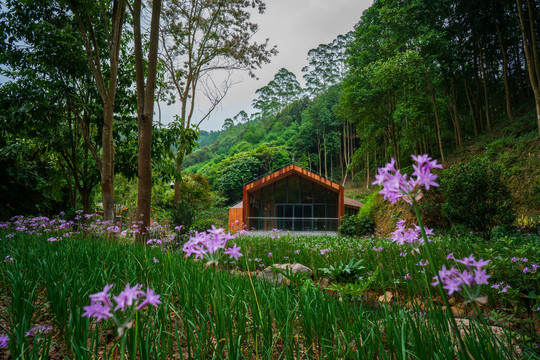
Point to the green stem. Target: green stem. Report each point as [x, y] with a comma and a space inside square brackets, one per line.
[123, 347]
[453, 322]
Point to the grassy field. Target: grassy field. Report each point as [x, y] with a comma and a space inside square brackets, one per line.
[50, 268]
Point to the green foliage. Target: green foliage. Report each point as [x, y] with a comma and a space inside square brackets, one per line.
[477, 196]
[360, 225]
[204, 224]
[183, 214]
[351, 271]
[236, 171]
[370, 204]
[358, 288]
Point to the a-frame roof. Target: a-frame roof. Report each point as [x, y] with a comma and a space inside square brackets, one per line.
[292, 169]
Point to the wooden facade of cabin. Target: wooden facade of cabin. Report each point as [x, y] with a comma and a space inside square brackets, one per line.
[291, 198]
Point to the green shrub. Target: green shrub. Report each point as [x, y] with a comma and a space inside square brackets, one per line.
[477, 196]
[370, 204]
[361, 225]
[204, 224]
[183, 214]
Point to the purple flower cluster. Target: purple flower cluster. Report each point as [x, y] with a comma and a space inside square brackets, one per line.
[39, 329]
[101, 305]
[207, 243]
[4, 339]
[396, 185]
[324, 251]
[502, 287]
[526, 269]
[454, 280]
[409, 236]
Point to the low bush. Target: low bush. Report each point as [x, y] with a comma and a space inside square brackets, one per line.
[183, 214]
[361, 225]
[204, 224]
[477, 196]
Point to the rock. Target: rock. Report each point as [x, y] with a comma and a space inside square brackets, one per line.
[458, 311]
[387, 297]
[270, 275]
[324, 283]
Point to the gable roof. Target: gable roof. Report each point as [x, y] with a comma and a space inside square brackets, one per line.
[353, 203]
[292, 169]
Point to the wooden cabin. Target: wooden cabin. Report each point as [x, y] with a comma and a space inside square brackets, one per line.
[292, 199]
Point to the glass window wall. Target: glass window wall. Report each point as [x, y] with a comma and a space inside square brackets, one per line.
[294, 204]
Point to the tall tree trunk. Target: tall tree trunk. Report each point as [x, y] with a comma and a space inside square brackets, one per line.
[325, 157]
[471, 107]
[504, 69]
[107, 92]
[530, 48]
[320, 155]
[107, 170]
[145, 109]
[453, 112]
[486, 92]
[367, 169]
[434, 104]
[85, 199]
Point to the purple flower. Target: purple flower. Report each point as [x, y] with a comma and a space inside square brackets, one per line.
[409, 236]
[233, 252]
[297, 252]
[498, 285]
[396, 186]
[97, 310]
[4, 339]
[407, 277]
[150, 298]
[269, 254]
[126, 297]
[526, 270]
[450, 256]
[480, 276]
[103, 296]
[39, 329]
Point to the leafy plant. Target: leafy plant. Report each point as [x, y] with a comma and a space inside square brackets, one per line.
[356, 289]
[344, 272]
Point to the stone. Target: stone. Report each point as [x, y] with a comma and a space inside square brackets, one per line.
[387, 297]
[270, 275]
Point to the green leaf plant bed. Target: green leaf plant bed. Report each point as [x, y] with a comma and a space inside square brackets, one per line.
[164, 305]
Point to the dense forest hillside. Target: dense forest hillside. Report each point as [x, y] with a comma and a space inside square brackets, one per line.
[444, 78]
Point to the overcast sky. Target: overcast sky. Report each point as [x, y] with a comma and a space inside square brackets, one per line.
[295, 26]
